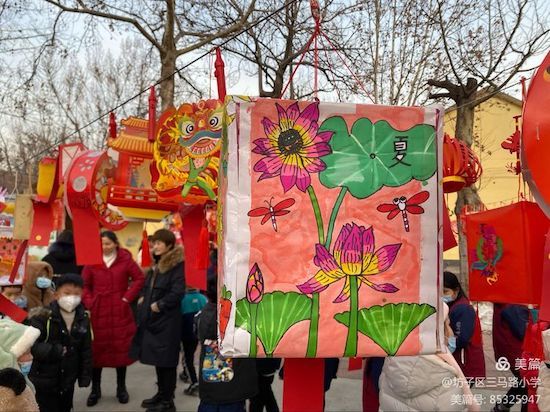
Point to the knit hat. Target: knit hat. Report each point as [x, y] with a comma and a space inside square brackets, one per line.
[15, 340]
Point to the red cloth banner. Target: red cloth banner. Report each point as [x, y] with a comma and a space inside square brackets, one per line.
[42, 224]
[506, 253]
[304, 389]
[192, 222]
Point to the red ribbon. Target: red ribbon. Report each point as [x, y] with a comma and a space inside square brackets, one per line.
[20, 253]
[8, 308]
[145, 252]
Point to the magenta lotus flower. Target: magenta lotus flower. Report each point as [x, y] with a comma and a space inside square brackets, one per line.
[255, 285]
[353, 255]
[293, 146]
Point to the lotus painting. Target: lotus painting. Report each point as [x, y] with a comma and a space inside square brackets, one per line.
[329, 229]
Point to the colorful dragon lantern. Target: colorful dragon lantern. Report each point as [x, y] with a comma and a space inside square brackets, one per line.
[461, 167]
[186, 152]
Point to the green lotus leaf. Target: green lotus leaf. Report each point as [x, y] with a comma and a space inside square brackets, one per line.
[365, 160]
[277, 313]
[389, 325]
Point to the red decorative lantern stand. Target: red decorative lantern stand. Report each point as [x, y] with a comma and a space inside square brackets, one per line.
[505, 249]
[86, 200]
[130, 189]
[461, 167]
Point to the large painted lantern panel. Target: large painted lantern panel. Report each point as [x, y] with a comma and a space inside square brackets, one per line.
[329, 220]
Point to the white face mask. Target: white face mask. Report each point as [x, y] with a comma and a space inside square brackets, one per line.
[69, 303]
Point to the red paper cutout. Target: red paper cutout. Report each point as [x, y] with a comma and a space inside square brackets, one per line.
[303, 388]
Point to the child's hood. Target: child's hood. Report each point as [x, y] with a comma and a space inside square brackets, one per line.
[36, 270]
[15, 340]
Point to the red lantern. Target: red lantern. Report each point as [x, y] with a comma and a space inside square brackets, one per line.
[461, 167]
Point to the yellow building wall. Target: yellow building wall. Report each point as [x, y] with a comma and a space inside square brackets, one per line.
[493, 124]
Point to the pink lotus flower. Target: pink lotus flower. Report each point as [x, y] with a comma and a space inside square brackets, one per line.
[255, 285]
[353, 255]
[293, 146]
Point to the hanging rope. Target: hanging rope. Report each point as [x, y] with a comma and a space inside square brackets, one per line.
[317, 31]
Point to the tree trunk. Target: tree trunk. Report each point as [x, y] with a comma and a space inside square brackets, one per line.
[468, 196]
[168, 61]
[168, 56]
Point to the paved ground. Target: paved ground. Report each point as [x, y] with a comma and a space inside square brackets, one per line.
[345, 393]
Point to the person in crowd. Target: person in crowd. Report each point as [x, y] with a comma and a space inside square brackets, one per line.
[224, 383]
[16, 391]
[38, 284]
[466, 327]
[15, 394]
[191, 304]
[158, 337]
[62, 256]
[13, 291]
[63, 352]
[266, 368]
[509, 325]
[416, 383]
[109, 289]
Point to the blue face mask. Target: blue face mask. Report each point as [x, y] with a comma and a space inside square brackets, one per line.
[447, 298]
[21, 301]
[25, 367]
[43, 282]
[451, 343]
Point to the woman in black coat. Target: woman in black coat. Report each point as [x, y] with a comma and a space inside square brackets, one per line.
[157, 341]
[61, 256]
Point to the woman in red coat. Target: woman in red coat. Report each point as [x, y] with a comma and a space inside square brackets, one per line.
[109, 288]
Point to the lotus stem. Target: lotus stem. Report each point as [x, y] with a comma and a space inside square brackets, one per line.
[334, 215]
[313, 327]
[253, 338]
[317, 212]
[351, 341]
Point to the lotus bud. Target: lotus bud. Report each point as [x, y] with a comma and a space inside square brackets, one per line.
[255, 285]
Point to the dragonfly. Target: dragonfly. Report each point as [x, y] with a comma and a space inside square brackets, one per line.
[270, 212]
[404, 205]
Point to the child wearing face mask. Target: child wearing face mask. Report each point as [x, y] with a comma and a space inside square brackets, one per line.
[63, 352]
[13, 291]
[16, 391]
[466, 327]
[38, 288]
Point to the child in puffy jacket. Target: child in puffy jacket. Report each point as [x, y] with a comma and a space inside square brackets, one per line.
[63, 352]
